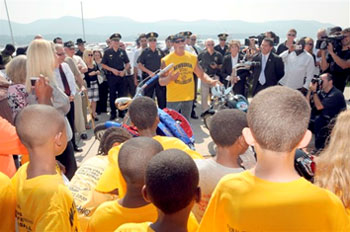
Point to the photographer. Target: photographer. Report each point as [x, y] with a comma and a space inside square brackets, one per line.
[338, 61]
[326, 102]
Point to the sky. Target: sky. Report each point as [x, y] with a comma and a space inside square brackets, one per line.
[336, 12]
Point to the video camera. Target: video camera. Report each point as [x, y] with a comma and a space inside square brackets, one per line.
[335, 40]
[259, 38]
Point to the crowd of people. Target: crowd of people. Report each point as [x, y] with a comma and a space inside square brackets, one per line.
[50, 90]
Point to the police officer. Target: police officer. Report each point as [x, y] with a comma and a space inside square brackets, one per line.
[222, 46]
[149, 63]
[116, 63]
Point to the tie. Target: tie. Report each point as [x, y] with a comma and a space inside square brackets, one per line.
[262, 79]
[64, 81]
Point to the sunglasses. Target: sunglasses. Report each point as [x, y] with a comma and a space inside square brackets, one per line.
[60, 54]
[311, 44]
[193, 39]
[293, 35]
[90, 55]
[210, 45]
[179, 41]
[152, 40]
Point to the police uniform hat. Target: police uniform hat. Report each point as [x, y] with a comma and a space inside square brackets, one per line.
[152, 35]
[115, 36]
[186, 34]
[80, 41]
[170, 37]
[69, 44]
[223, 36]
[178, 36]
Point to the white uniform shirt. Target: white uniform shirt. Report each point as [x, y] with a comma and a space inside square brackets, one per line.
[69, 76]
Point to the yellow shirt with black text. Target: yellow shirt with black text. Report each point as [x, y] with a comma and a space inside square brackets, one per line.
[44, 203]
[182, 89]
[112, 178]
[244, 202]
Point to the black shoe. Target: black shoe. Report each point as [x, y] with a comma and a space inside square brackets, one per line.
[96, 119]
[112, 117]
[77, 149]
[194, 115]
[83, 136]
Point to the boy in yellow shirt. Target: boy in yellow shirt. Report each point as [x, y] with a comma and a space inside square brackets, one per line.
[171, 184]
[143, 114]
[134, 156]
[272, 196]
[44, 203]
[7, 204]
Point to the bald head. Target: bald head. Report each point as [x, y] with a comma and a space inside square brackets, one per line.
[37, 125]
[134, 156]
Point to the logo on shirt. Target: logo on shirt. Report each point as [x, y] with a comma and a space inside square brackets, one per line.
[186, 73]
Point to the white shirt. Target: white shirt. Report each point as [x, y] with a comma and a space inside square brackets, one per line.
[296, 68]
[69, 76]
[234, 60]
[136, 56]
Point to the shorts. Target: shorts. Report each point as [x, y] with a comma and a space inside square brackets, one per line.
[93, 91]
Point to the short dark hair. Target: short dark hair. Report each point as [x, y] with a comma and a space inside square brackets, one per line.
[278, 118]
[328, 75]
[134, 156]
[143, 35]
[10, 48]
[143, 112]
[57, 38]
[269, 40]
[226, 126]
[171, 180]
[112, 135]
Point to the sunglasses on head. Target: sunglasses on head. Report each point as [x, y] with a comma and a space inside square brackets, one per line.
[179, 41]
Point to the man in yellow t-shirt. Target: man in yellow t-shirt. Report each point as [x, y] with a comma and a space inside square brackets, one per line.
[272, 196]
[171, 184]
[7, 204]
[180, 82]
[44, 203]
[133, 158]
[143, 113]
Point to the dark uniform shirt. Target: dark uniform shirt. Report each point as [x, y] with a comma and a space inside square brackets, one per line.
[115, 59]
[224, 51]
[150, 59]
[79, 53]
[282, 47]
[340, 75]
[205, 59]
[166, 51]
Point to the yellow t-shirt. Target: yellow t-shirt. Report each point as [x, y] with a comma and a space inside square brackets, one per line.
[112, 178]
[83, 186]
[7, 204]
[244, 202]
[110, 215]
[192, 226]
[182, 89]
[44, 203]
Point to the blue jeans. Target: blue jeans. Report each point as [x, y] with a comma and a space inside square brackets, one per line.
[183, 107]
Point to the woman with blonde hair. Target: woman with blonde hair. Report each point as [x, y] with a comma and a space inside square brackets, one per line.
[41, 63]
[91, 80]
[333, 164]
[17, 94]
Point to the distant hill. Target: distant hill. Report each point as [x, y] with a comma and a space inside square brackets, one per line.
[98, 29]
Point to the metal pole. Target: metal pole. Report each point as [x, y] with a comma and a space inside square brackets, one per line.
[9, 21]
[82, 18]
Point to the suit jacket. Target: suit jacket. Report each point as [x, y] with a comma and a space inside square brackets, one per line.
[274, 71]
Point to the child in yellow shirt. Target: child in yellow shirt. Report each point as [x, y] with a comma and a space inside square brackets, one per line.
[272, 196]
[171, 184]
[134, 156]
[7, 204]
[143, 114]
[44, 203]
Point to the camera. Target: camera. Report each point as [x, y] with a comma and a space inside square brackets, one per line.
[335, 40]
[316, 79]
[259, 38]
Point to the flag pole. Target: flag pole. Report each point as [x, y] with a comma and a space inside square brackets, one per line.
[9, 21]
[82, 19]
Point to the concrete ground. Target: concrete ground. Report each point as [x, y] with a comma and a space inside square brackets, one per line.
[203, 142]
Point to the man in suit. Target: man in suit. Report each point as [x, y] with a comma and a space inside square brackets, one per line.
[271, 69]
[230, 60]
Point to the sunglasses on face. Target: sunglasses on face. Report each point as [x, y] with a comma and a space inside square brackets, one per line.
[179, 41]
[90, 55]
[60, 54]
[293, 35]
[193, 39]
[152, 40]
[210, 45]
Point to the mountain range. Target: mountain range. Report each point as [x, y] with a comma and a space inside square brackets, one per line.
[98, 29]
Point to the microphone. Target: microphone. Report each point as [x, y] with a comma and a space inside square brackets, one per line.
[164, 70]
